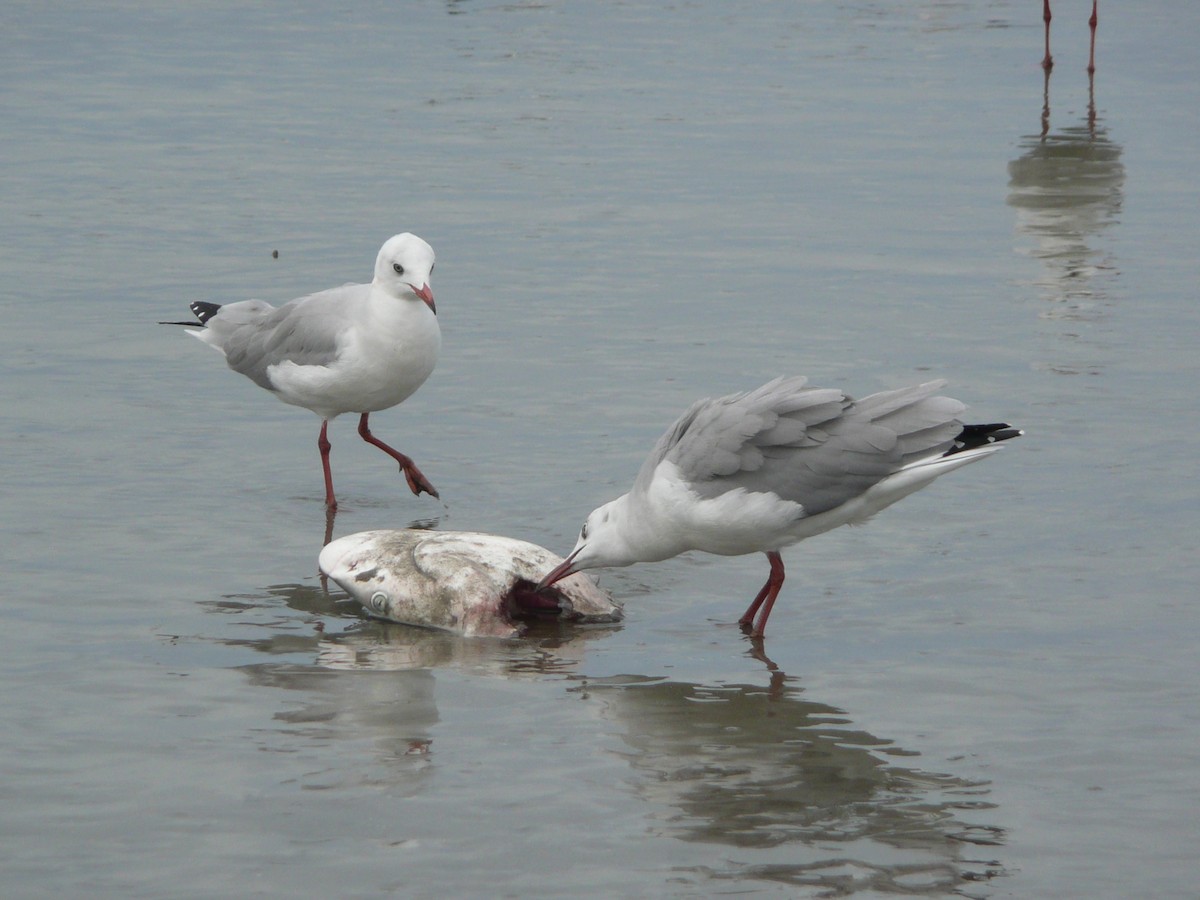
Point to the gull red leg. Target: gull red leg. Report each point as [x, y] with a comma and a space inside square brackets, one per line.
[748, 616]
[416, 481]
[324, 446]
[1047, 61]
[1092, 53]
[766, 596]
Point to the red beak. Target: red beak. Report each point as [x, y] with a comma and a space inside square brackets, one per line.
[427, 295]
[558, 573]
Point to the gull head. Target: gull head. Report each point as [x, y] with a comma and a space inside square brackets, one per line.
[404, 267]
[602, 542]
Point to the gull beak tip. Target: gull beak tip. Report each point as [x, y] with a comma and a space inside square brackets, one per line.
[550, 578]
[427, 295]
[558, 573]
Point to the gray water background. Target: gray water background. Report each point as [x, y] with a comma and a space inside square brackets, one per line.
[990, 691]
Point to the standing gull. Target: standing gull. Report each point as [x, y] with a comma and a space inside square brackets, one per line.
[760, 471]
[356, 348]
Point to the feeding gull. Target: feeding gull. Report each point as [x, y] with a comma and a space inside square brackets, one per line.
[759, 471]
[357, 348]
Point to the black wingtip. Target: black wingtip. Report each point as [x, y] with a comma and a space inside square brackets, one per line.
[973, 436]
[204, 311]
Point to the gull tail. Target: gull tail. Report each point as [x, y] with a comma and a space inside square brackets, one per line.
[973, 442]
[202, 311]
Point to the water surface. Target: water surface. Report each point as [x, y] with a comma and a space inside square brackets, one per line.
[990, 691]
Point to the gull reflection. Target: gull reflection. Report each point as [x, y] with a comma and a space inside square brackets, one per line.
[796, 792]
[1066, 187]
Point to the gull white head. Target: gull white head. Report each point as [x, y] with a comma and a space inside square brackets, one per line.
[602, 542]
[404, 266]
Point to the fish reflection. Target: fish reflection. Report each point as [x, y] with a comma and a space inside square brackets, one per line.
[373, 645]
[368, 643]
[392, 713]
[351, 686]
[801, 796]
[372, 683]
[1067, 188]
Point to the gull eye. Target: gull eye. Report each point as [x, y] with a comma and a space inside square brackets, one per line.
[432, 266]
[583, 532]
[397, 268]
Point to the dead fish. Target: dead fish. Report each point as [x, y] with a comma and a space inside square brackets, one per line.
[470, 583]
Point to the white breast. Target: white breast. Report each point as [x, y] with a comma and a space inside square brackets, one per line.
[381, 361]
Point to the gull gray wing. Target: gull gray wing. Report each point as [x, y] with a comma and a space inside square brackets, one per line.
[256, 336]
[813, 446]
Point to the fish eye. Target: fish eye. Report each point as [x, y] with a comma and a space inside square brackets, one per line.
[397, 268]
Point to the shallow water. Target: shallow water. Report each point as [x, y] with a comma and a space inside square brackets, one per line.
[989, 691]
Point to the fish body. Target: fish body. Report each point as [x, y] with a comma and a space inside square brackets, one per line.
[469, 583]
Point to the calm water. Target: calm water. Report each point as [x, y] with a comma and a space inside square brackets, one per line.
[991, 691]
